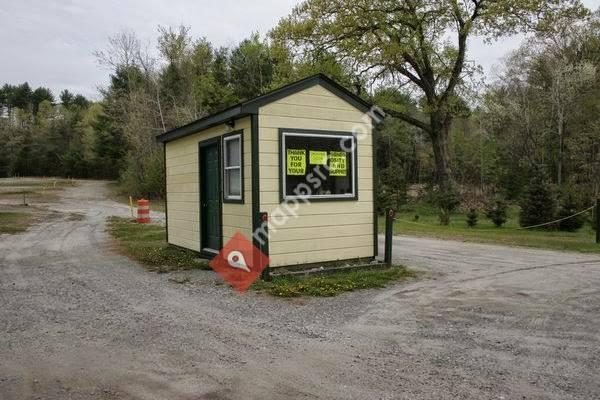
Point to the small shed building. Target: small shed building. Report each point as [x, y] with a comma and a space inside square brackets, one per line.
[303, 154]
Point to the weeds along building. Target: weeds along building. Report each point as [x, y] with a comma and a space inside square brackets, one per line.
[303, 154]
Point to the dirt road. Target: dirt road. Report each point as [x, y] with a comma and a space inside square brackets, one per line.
[78, 321]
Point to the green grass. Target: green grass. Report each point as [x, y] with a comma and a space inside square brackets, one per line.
[146, 243]
[485, 232]
[120, 195]
[14, 222]
[332, 284]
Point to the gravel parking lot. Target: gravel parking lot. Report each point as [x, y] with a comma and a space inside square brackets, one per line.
[79, 321]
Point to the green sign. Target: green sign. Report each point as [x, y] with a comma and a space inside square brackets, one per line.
[337, 163]
[296, 162]
[318, 157]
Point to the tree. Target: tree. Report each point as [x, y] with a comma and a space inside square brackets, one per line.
[538, 205]
[496, 211]
[20, 97]
[407, 43]
[472, 218]
[40, 94]
[568, 207]
[251, 68]
[66, 98]
[80, 101]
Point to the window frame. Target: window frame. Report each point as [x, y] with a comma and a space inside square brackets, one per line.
[285, 132]
[228, 198]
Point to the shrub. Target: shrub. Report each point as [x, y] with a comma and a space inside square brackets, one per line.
[496, 211]
[570, 206]
[538, 205]
[447, 201]
[472, 218]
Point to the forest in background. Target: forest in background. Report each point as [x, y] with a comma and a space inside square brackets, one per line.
[536, 124]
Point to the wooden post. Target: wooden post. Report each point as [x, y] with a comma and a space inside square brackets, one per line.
[389, 235]
[597, 211]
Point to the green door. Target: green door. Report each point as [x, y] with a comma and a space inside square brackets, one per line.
[210, 197]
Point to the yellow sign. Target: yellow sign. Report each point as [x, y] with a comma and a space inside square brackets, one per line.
[318, 158]
[337, 163]
[296, 162]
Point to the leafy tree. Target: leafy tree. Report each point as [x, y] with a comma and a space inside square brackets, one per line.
[538, 205]
[408, 42]
[289, 68]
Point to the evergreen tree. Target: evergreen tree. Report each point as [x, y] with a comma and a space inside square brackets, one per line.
[472, 218]
[568, 207]
[251, 68]
[66, 98]
[39, 95]
[108, 149]
[496, 211]
[538, 205]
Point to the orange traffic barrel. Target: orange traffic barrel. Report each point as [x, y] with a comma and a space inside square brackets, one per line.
[143, 211]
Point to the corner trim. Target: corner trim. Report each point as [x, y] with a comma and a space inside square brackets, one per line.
[254, 140]
[166, 193]
[375, 191]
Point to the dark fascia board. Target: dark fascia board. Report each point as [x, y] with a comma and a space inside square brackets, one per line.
[251, 106]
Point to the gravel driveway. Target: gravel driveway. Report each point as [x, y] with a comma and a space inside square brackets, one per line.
[79, 321]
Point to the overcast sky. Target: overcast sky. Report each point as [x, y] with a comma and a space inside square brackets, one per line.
[50, 42]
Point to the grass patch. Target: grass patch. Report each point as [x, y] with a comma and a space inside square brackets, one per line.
[146, 243]
[121, 195]
[428, 225]
[328, 285]
[14, 222]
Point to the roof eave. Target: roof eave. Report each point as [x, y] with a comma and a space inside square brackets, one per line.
[202, 124]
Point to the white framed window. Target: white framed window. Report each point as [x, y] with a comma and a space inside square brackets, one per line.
[232, 168]
[318, 165]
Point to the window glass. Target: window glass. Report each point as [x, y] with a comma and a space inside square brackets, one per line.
[318, 165]
[233, 152]
[232, 167]
[233, 182]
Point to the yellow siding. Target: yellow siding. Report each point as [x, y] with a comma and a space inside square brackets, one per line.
[183, 196]
[319, 231]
